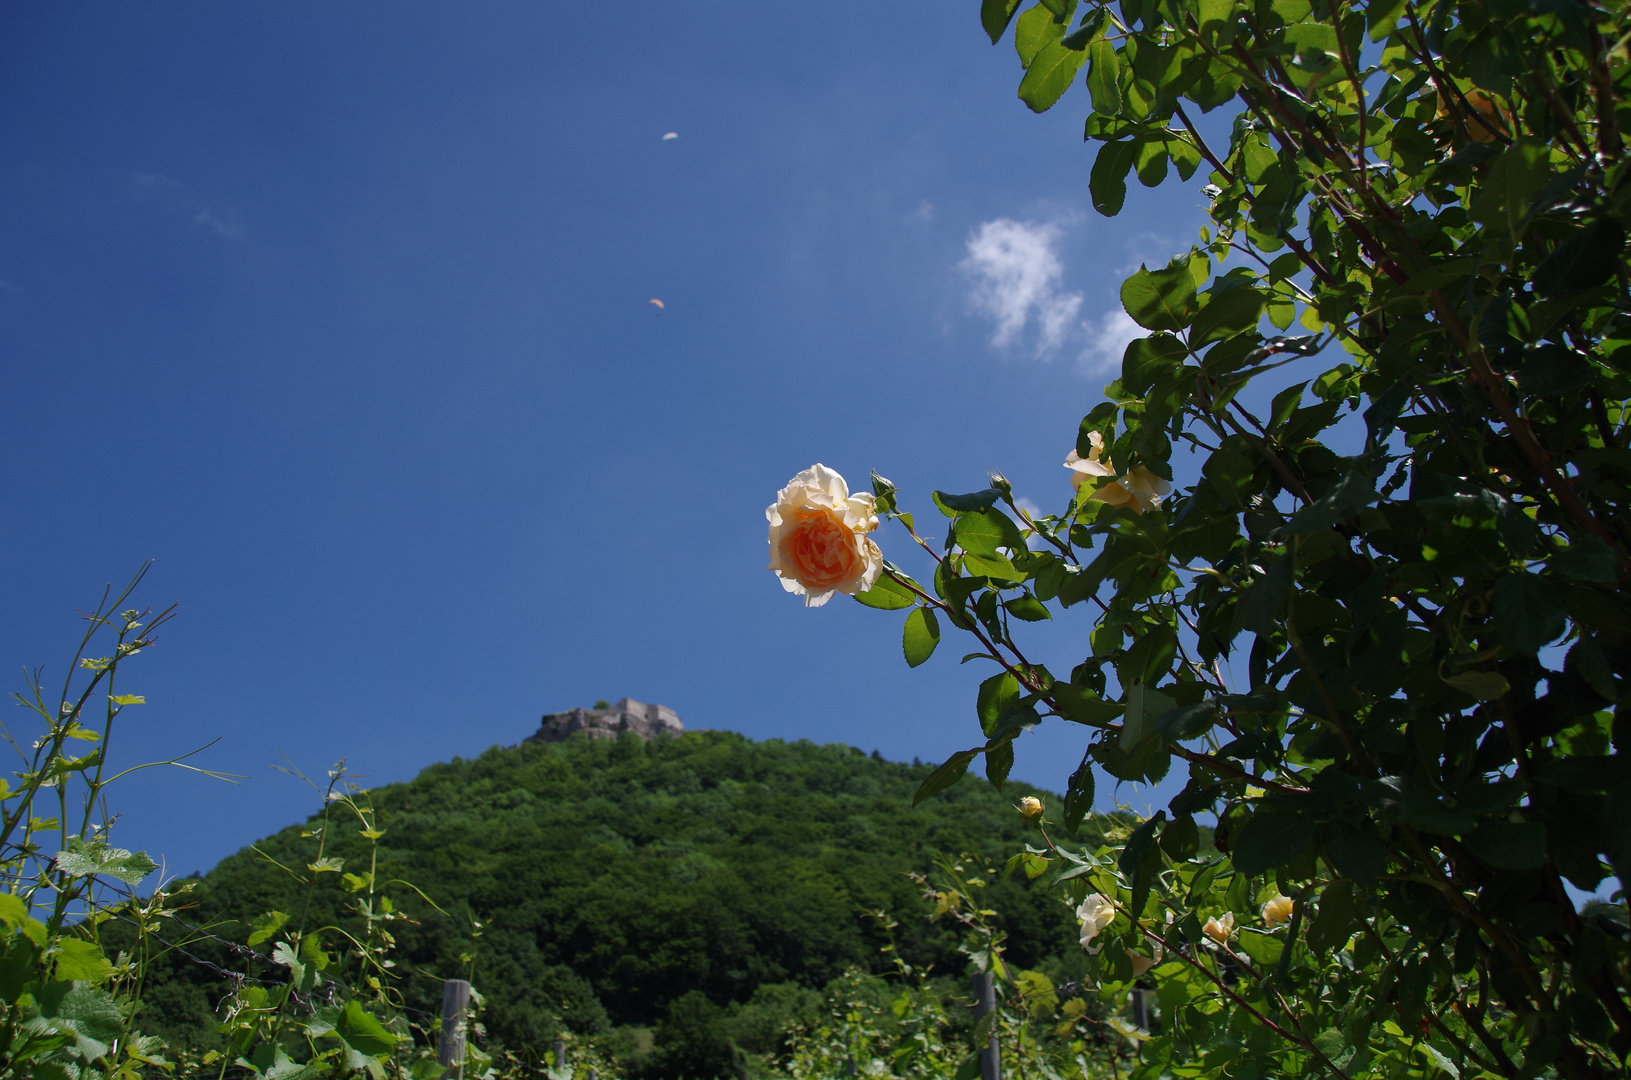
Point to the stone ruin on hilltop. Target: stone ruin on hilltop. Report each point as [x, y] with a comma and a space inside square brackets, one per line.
[646, 721]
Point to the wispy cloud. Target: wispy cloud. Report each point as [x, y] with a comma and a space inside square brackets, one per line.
[180, 199]
[1018, 282]
[1106, 341]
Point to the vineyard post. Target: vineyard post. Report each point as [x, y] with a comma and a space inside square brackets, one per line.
[985, 1004]
[455, 1002]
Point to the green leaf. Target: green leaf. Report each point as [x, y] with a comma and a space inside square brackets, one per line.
[1139, 844]
[1147, 359]
[82, 859]
[1380, 17]
[999, 761]
[1262, 603]
[948, 773]
[79, 960]
[995, 16]
[1436, 1056]
[1587, 559]
[1587, 258]
[1480, 685]
[1225, 314]
[1347, 497]
[89, 1014]
[1513, 181]
[1034, 31]
[264, 926]
[1263, 949]
[1050, 75]
[362, 1033]
[1029, 608]
[887, 594]
[1554, 370]
[1360, 856]
[1334, 923]
[983, 532]
[1160, 299]
[953, 505]
[1527, 612]
[1187, 721]
[1079, 704]
[1107, 183]
[995, 696]
[920, 636]
[1104, 77]
[1079, 794]
[1509, 846]
[127, 699]
[1138, 718]
[15, 915]
[1269, 840]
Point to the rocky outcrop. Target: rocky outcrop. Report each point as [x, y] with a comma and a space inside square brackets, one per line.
[646, 721]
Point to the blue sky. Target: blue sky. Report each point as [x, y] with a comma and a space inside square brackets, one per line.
[340, 313]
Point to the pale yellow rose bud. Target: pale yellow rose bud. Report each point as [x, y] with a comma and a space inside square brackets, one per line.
[1030, 808]
[1219, 929]
[1141, 963]
[1278, 909]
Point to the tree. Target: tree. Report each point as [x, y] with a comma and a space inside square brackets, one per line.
[1384, 616]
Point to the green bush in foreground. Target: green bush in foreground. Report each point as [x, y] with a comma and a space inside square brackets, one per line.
[1379, 607]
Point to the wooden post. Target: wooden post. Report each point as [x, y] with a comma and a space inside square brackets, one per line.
[985, 1004]
[455, 1004]
[560, 1054]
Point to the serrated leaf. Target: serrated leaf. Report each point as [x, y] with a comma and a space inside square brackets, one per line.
[999, 762]
[82, 859]
[1587, 258]
[1050, 75]
[127, 699]
[920, 636]
[1160, 299]
[1104, 77]
[262, 927]
[79, 960]
[887, 594]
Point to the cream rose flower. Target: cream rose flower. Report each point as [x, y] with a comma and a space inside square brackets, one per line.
[1084, 469]
[1030, 808]
[1096, 912]
[1139, 490]
[1278, 909]
[818, 537]
[1219, 929]
[1141, 963]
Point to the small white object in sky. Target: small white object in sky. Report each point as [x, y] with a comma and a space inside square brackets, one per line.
[659, 303]
[671, 136]
[1018, 279]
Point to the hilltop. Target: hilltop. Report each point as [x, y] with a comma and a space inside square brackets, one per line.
[612, 876]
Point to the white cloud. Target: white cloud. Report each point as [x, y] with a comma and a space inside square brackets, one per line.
[176, 198]
[1106, 340]
[1017, 281]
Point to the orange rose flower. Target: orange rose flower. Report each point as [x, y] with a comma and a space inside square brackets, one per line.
[818, 537]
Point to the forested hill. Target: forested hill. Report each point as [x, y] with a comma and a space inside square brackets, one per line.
[612, 877]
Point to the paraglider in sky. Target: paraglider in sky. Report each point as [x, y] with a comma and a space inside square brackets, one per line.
[671, 136]
[659, 303]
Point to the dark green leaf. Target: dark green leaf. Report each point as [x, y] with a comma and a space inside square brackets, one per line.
[995, 16]
[1587, 559]
[1160, 299]
[1187, 721]
[1270, 839]
[1079, 794]
[1263, 949]
[1553, 370]
[995, 696]
[1262, 603]
[1347, 497]
[953, 505]
[947, 774]
[1528, 614]
[1360, 856]
[920, 636]
[999, 761]
[1140, 843]
[1225, 314]
[362, 1032]
[1148, 359]
[1509, 845]
[1587, 258]
[79, 960]
[1107, 183]
[1380, 17]
[1334, 924]
[1082, 705]
[1512, 183]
